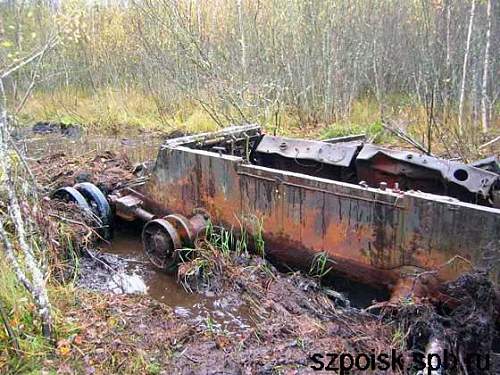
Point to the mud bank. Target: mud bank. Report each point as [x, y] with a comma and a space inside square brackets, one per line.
[107, 170]
[290, 318]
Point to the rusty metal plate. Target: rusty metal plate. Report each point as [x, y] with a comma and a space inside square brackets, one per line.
[347, 138]
[340, 154]
[473, 179]
[250, 130]
[488, 164]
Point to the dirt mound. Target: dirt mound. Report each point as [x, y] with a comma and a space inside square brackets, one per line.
[107, 170]
[473, 320]
[466, 330]
[294, 317]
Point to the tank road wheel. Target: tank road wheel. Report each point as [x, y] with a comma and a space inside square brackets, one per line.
[160, 240]
[99, 205]
[70, 194]
[183, 227]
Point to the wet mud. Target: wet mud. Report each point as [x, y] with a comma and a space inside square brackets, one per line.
[121, 267]
[290, 317]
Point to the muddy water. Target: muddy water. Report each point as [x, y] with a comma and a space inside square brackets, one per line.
[224, 314]
[359, 295]
[138, 149]
[160, 285]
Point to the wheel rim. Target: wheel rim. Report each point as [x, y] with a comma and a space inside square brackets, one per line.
[99, 205]
[183, 227]
[160, 240]
[72, 195]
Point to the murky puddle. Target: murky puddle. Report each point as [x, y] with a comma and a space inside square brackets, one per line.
[136, 275]
[160, 285]
[138, 149]
[359, 295]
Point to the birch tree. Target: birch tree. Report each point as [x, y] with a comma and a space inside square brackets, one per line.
[464, 67]
[242, 38]
[19, 249]
[486, 66]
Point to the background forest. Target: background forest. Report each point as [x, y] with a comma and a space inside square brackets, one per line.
[306, 67]
[425, 70]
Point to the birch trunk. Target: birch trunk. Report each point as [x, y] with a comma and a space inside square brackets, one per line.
[464, 71]
[37, 286]
[11, 258]
[484, 90]
[242, 39]
[448, 79]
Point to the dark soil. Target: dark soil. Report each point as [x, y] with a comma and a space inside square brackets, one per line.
[107, 170]
[67, 130]
[293, 319]
[466, 330]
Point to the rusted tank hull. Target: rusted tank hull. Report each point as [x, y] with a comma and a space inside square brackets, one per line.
[374, 236]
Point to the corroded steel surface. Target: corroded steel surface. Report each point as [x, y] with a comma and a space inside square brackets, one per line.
[431, 174]
[340, 154]
[374, 236]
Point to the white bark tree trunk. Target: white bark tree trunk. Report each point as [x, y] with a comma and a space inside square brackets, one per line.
[242, 38]
[484, 90]
[39, 290]
[11, 258]
[464, 71]
[448, 82]
[36, 286]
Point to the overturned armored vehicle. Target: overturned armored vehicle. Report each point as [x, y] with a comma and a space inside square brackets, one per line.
[394, 219]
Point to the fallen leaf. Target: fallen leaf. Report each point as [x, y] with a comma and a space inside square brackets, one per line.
[63, 347]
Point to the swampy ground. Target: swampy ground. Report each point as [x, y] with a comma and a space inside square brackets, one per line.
[223, 311]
